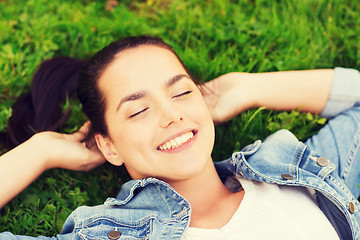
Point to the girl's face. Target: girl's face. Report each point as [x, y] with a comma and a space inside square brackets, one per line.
[158, 123]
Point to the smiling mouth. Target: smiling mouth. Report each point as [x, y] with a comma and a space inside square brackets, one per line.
[178, 141]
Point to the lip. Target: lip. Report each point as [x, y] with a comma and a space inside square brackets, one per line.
[184, 145]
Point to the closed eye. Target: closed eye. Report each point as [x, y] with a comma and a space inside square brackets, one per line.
[137, 113]
[182, 94]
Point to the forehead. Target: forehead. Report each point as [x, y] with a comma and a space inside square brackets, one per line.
[145, 60]
[139, 67]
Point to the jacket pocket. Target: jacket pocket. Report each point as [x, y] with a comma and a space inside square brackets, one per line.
[107, 228]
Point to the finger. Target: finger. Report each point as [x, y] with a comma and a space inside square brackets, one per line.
[80, 134]
[207, 88]
[85, 127]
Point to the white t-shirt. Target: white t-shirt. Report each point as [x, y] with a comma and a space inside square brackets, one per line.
[270, 211]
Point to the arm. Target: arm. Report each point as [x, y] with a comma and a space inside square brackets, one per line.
[23, 164]
[232, 93]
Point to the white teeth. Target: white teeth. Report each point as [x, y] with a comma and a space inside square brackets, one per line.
[176, 142]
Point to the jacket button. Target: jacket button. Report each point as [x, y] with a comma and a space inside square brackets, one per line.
[240, 173]
[286, 176]
[351, 207]
[114, 234]
[323, 162]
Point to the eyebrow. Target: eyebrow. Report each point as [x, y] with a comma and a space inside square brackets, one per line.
[175, 79]
[141, 94]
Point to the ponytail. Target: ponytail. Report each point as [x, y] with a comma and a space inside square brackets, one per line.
[40, 109]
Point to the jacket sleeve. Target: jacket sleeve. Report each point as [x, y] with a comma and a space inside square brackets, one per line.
[345, 92]
[339, 139]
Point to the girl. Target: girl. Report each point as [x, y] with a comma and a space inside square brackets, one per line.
[148, 114]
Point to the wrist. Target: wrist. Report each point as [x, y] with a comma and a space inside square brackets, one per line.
[246, 85]
[256, 90]
[37, 146]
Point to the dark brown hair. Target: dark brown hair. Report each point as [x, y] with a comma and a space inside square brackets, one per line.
[40, 108]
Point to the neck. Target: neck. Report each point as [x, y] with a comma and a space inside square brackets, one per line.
[212, 203]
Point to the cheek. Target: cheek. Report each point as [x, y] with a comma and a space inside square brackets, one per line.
[199, 110]
[203, 114]
[200, 114]
[134, 139]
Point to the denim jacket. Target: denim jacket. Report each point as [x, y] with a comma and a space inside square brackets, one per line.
[328, 163]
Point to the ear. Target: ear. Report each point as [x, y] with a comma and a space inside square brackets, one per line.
[107, 148]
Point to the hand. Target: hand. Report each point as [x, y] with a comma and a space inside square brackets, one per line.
[226, 96]
[22, 165]
[68, 151]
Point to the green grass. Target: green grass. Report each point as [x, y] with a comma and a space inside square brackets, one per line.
[212, 37]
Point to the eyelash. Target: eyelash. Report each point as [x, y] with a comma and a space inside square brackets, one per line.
[135, 114]
[182, 94]
[143, 110]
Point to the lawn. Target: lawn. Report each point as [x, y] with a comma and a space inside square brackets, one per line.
[212, 37]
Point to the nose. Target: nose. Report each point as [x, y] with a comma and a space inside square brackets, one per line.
[170, 114]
